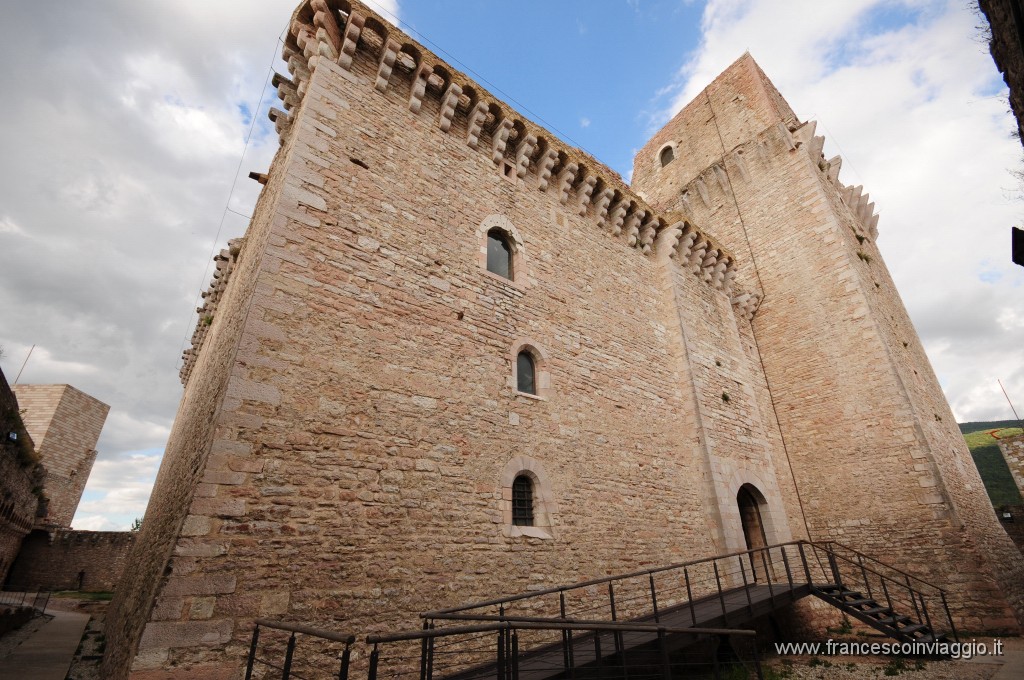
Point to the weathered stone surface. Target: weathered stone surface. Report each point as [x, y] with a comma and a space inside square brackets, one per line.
[362, 369]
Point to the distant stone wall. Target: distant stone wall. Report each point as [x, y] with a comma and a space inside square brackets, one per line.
[71, 560]
[1012, 449]
[18, 477]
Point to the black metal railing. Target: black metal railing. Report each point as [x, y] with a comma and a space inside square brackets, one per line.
[495, 651]
[320, 654]
[635, 624]
[37, 600]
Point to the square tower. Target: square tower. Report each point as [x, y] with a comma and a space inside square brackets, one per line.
[65, 425]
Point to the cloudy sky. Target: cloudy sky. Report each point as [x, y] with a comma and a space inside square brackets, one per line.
[132, 126]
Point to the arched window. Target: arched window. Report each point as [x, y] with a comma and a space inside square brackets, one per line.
[667, 156]
[499, 253]
[526, 374]
[522, 501]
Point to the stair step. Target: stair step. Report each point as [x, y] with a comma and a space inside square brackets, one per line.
[876, 610]
[860, 601]
[893, 620]
[913, 628]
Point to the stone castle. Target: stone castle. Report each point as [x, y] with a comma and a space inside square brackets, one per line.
[454, 357]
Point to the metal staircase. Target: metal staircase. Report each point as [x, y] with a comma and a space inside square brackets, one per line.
[882, 596]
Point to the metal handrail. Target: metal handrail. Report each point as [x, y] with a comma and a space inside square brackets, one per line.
[551, 624]
[347, 638]
[822, 545]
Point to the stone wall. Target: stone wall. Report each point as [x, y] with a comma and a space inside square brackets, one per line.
[350, 426]
[20, 476]
[1006, 18]
[877, 458]
[1012, 449]
[91, 561]
[65, 424]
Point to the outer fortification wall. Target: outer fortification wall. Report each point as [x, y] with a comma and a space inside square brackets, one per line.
[91, 561]
[874, 449]
[20, 474]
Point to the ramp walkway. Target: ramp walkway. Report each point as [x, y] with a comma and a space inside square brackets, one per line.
[644, 624]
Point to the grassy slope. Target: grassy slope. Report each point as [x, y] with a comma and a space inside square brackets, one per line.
[994, 472]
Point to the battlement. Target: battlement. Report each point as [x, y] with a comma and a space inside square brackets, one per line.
[342, 32]
[224, 263]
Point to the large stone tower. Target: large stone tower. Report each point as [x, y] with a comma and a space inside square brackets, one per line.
[873, 446]
[439, 304]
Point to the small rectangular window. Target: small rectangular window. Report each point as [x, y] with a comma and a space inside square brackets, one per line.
[499, 254]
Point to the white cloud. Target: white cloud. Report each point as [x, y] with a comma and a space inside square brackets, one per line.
[7, 226]
[584, 122]
[910, 106]
[117, 492]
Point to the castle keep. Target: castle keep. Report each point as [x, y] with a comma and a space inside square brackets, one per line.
[454, 357]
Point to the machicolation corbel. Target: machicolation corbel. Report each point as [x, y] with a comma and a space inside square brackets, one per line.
[449, 101]
[583, 194]
[475, 123]
[523, 152]
[544, 165]
[565, 180]
[386, 65]
[328, 32]
[350, 38]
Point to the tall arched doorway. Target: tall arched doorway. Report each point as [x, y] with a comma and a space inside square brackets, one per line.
[750, 501]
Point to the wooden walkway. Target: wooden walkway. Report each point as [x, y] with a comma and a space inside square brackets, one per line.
[734, 609]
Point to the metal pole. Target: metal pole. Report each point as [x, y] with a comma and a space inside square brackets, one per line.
[768, 579]
[654, 598]
[913, 599]
[374, 659]
[997, 380]
[566, 635]
[803, 558]
[345, 658]
[746, 589]
[949, 617]
[423, 652]
[287, 670]
[618, 634]
[17, 377]
[501, 654]
[515, 655]
[689, 595]
[252, 652]
[721, 597]
[666, 668]
[864, 573]
[789, 574]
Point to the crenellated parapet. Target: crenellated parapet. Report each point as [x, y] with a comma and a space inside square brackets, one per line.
[714, 186]
[224, 262]
[855, 198]
[345, 31]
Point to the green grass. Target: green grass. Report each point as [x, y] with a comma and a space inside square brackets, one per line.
[990, 463]
[80, 595]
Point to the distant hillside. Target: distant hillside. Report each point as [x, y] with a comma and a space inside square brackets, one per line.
[985, 451]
